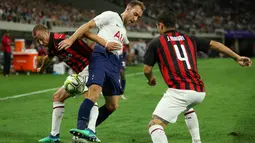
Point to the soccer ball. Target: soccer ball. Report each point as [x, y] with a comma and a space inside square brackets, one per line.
[74, 84]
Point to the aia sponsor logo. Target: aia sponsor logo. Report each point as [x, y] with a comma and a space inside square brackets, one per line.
[119, 36]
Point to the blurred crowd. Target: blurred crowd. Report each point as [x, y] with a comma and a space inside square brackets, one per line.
[49, 13]
[43, 12]
[204, 16]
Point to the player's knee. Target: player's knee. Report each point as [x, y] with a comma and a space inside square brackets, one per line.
[94, 92]
[57, 97]
[86, 94]
[95, 89]
[151, 123]
[112, 107]
[156, 122]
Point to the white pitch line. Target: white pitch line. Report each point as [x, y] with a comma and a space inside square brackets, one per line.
[27, 94]
[51, 89]
[140, 73]
[134, 74]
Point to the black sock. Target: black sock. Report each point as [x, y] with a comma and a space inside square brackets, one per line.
[123, 84]
[84, 113]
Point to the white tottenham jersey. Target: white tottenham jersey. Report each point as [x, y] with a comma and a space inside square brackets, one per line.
[112, 29]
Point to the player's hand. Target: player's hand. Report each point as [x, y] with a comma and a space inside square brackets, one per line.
[111, 46]
[244, 61]
[65, 44]
[39, 70]
[152, 81]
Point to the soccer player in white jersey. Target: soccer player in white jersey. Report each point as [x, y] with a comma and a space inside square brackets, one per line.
[104, 68]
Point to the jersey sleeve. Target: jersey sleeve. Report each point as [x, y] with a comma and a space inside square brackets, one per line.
[103, 18]
[202, 44]
[150, 57]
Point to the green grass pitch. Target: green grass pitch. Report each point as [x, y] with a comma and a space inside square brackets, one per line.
[228, 107]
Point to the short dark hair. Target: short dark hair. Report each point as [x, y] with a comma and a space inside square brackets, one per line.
[133, 3]
[168, 18]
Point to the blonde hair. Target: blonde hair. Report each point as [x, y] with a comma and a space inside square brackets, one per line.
[40, 28]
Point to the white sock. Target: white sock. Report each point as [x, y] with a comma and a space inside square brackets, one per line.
[192, 124]
[157, 134]
[57, 115]
[93, 117]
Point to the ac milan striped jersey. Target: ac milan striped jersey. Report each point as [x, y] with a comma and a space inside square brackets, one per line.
[176, 55]
[76, 57]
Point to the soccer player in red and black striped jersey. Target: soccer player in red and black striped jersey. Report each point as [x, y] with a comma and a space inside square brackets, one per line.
[76, 57]
[175, 54]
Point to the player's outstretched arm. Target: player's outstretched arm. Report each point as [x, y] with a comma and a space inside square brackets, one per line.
[78, 33]
[150, 58]
[243, 61]
[109, 45]
[45, 63]
[149, 75]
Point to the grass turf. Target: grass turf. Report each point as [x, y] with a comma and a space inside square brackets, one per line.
[228, 107]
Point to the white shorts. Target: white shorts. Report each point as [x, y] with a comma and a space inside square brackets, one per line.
[85, 74]
[176, 101]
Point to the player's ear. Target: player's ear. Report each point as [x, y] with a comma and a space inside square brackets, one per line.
[128, 8]
[161, 26]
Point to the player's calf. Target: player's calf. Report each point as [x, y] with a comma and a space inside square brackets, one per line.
[192, 124]
[86, 106]
[156, 130]
[112, 107]
[112, 102]
[106, 110]
[57, 114]
[58, 110]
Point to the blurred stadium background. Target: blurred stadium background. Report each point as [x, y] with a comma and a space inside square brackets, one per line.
[228, 106]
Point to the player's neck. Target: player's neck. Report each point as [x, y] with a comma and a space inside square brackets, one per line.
[169, 29]
[122, 15]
